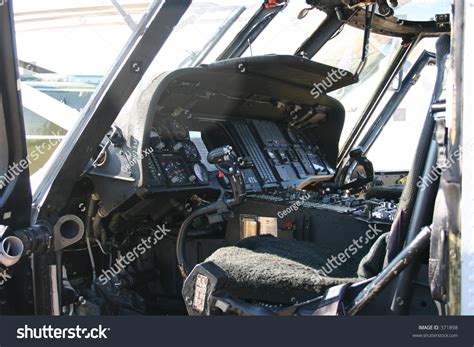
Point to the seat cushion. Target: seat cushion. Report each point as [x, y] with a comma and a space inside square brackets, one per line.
[268, 269]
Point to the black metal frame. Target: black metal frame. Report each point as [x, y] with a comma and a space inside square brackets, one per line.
[16, 196]
[401, 261]
[368, 16]
[98, 116]
[422, 212]
[326, 30]
[103, 108]
[399, 28]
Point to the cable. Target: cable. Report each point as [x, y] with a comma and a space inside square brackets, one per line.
[91, 257]
[100, 246]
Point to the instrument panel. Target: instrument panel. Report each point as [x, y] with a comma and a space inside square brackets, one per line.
[273, 155]
[175, 160]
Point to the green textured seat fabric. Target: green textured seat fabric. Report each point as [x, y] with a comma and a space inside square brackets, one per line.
[268, 269]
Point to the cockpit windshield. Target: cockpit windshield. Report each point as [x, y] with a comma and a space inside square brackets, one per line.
[65, 50]
[421, 10]
[344, 51]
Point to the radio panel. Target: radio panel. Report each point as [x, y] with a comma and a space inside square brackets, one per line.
[279, 159]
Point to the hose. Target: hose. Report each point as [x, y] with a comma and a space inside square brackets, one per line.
[91, 257]
[91, 212]
[183, 265]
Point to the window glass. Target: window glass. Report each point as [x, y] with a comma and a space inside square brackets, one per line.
[425, 11]
[199, 26]
[64, 48]
[411, 113]
[286, 33]
[250, 8]
[395, 147]
[344, 51]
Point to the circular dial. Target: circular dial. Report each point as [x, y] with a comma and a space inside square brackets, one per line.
[175, 171]
[179, 130]
[190, 150]
[201, 173]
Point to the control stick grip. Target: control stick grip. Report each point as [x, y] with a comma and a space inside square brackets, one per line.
[227, 162]
[221, 155]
